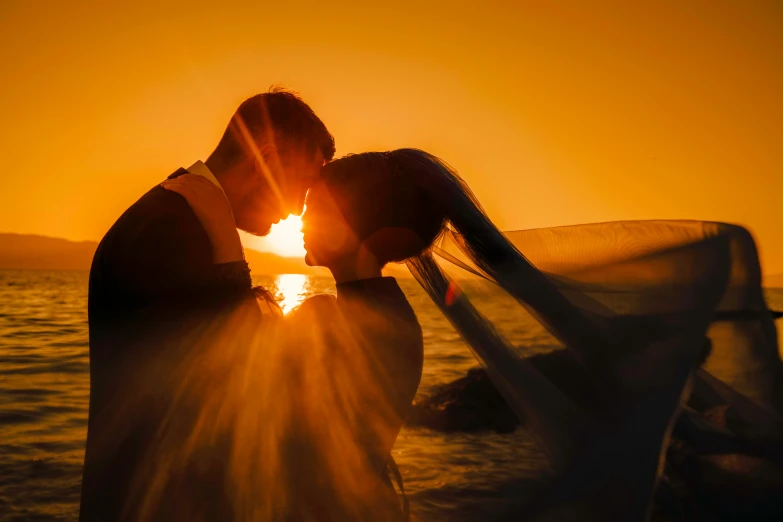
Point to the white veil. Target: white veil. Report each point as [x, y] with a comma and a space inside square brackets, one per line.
[637, 305]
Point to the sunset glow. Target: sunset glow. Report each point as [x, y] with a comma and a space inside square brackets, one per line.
[285, 238]
[620, 120]
[291, 290]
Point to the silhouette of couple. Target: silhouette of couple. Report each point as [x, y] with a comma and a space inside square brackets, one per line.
[208, 404]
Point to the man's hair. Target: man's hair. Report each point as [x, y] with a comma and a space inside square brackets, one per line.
[284, 118]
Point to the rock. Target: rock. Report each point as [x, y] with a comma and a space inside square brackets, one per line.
[473, 404]
[469, 404]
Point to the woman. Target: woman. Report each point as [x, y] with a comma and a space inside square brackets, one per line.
[361, 352]
[374, 208]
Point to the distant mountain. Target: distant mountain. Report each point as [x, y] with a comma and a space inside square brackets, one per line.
[27, 251]
[45, 253]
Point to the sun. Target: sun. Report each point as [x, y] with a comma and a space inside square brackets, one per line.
[285, 238]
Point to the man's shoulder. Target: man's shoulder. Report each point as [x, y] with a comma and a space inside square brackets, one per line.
[158, 203]
[156, 209]
[317, 306]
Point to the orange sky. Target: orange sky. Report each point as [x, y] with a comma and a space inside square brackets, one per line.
[554, 114]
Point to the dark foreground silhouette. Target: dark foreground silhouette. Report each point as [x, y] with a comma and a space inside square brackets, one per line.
[724, 461]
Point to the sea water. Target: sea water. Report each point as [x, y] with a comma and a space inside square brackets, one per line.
[44, 397]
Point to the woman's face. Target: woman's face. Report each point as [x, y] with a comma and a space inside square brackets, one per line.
[327, 236]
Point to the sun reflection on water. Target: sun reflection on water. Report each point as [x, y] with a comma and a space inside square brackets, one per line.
[291, 290]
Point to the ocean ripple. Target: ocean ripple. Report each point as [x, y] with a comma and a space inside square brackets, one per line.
[44, 400]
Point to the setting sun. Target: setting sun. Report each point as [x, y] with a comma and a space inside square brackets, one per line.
[285, 238]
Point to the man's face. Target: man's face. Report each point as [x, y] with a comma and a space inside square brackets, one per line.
[276, 189]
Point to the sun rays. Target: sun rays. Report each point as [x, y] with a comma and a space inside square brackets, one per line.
[286, 238]
[291, 290]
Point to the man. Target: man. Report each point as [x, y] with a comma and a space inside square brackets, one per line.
[158, 289]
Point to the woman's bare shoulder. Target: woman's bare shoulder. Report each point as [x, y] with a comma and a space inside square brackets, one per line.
[315, 305]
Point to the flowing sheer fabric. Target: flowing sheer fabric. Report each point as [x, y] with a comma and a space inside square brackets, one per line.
[667, 268]
[636, 303]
